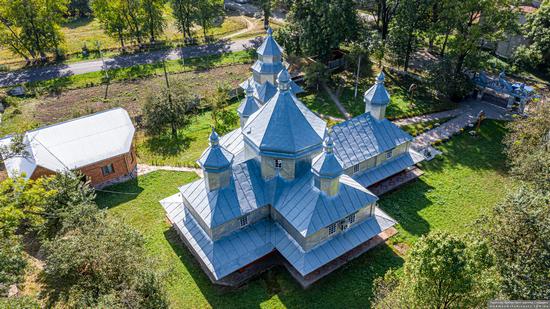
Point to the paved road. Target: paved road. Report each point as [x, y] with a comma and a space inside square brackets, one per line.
[54, 71]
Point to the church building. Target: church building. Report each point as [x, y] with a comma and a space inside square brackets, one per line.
[284, 189]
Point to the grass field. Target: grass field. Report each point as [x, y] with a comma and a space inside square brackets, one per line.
[456, 188]
[87, 32]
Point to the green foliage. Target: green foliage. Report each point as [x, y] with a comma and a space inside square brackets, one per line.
[317, 26]
[536, 29]
[22, 302]
[16, 148]
[30, 28]
[184, 12]
[111, 17]
[207, 12]
[224, 119]
[70, 192]
[170, 108]
[79, 8]
[102, 263]
[528, 147]
[442, 271]
[442, 78]
[315, 74]
[12, 262]
[153, 18]
[21, 204]
[406, 29]
[519, 235]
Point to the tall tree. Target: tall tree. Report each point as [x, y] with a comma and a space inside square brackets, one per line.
[134, 15]
[407, 28]
[207, 12]
[321, 25]
[519, 235]
[536, 29]
[441, 271]
[383, 12]
[32, 27]
[184, 13]
[154, 22]
[528, 147]
[479, 22]
[111, 18]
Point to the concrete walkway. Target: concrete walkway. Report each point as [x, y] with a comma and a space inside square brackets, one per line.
[466, 115]
[428, 117]
[143, 169]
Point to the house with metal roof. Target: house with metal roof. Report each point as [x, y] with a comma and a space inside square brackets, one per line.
[285, 189]
[99, 145]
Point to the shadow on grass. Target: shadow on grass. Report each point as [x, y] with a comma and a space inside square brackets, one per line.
[167, 146]
[125, 192]
[352, 283]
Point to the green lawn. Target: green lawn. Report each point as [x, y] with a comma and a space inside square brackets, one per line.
[416, 129]
[184, 151]
[455, 189]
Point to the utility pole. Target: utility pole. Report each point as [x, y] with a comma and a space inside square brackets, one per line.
[357, 77]
[105, 70]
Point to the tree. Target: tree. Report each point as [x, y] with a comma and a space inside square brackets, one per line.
[383, 12]
[79, 8]
[519, 235]
[528, 147]
[410, 21]
[321, 25]
[30, 28]
[479, 22]
[170, 108]
[70, 191]
[111, 18]
[536, 29]
[103, 264]
[154, 22]
[315, 74]
[134, 16]
[441, 271]
[224, 118]
[207, 12]
[16, 148]
[12, 262]
[184, 12]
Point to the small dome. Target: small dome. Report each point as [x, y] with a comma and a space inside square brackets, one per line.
[249, 105]
[327, 164]
[215, 158]
[269, 31]
[380, 78]
[377, 94]
[283, 80]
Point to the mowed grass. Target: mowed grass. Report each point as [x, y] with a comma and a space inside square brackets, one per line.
[456, 189]
[183, 151]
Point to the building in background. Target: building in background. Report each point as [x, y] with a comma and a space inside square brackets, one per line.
[99, 145]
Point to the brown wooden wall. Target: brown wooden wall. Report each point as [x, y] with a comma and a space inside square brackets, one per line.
[122, 165]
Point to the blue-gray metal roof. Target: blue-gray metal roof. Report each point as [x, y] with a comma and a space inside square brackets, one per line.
[233, 142]
[363, 137]
[264, 92]
[215, 157]
[327, 164]
[388, 168]
[270, 47]
[267, 68]
[307, 262]
[309, 210]
[285, 125]
[249, 244]
[244, 194]
[249, 105]
[377, 94]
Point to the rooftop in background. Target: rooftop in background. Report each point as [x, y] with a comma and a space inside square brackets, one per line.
[75, 143]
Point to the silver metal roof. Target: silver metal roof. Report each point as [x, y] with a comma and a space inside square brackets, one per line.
[249, 105]
[270, 47]
[327, 164]
[215, 157]
[377, 94]
[363, 137]
[247, 245]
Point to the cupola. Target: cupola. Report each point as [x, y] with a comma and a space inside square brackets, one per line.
[216, 164]
[327, 168]
[377, 98]
[248, 106]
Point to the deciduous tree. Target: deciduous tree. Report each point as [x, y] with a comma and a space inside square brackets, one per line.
[111, 18]
[154, 22]
[536, 29]
[184, 13]
[207, 12]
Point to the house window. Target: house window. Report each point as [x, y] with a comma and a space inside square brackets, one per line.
[389, 154]
[356, 168]
[332, 229]
[108, 169]
[278, 163]
[351, 218]
[244, 221]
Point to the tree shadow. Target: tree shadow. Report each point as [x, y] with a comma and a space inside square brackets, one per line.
[79, 22]
[404, 206]
[112, 196]
[166, 145]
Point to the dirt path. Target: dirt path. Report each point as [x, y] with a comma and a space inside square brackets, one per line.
[336, 101]
[249, 27]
